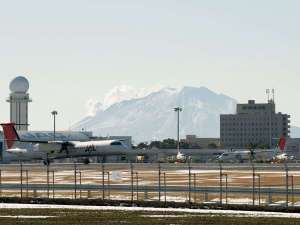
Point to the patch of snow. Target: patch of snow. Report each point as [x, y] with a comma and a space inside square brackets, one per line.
[242, 201]
[196, 171]
[165, 216]
[125, 92]
[171, 198]
[28, 217]
[145, 209]
[116, 176]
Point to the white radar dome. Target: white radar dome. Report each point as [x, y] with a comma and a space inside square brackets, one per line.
[19, 85]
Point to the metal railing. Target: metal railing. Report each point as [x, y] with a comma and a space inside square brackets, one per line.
[261, 184]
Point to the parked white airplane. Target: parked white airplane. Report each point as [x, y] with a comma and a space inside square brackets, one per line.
[179, 158]
[49, 150]
[263, 155]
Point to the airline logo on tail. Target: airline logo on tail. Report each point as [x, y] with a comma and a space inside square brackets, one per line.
[282, 143]
[10, 134]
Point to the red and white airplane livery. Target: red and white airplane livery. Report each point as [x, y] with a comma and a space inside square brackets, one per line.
[49, 150]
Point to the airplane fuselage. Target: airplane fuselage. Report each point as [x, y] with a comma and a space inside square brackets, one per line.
[76, 149]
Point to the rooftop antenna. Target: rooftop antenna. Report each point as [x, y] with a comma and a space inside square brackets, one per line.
[273, 94]
[268, 94]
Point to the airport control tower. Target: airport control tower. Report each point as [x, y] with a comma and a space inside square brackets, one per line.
[19, 99]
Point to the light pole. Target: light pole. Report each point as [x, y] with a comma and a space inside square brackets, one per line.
[178, 110]
[54, 114]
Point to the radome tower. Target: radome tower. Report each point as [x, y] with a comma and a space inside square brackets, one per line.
[19, 99]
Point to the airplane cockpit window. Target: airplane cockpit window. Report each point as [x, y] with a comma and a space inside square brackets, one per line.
[116, 143]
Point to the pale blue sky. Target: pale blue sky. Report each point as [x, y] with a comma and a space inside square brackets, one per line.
[76, 50]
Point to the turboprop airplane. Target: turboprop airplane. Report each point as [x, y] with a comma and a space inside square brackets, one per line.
[50, 150]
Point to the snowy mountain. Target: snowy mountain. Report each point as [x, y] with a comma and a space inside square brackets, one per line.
[150, 116]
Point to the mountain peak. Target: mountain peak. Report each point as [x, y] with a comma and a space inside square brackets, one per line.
[147, 114]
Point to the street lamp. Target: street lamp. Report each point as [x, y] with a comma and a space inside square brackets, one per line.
[178, 110]
[54, 113]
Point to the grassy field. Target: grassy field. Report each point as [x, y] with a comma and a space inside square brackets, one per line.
[85, 217]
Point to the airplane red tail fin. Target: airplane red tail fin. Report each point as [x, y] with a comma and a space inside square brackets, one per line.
[282, 143]
[10, 134]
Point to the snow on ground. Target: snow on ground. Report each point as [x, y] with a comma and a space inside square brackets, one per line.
[211, 212]
[242, 201]
[165, 216]
[194, 171]
[28, 217]
[171, 198]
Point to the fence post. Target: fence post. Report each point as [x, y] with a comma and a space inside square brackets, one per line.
[195, 188]
[286, 184]
[0, 183]
[48, 185]
[27, 186]
[53, 183]
[108, 184]
[253, 184]
[189, 167]
[270, 201]
[221, 183]
[159, 182]
[205, 196]
[137, 186]
[165, 188]
[293, 194]
[80, 183]
[259, 190]
[75, 180]
[226, 188]
[21, 179]
[103, 171]
[131, 176]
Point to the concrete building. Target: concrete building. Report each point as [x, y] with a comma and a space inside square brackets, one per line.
[254, 124]
[19, 99]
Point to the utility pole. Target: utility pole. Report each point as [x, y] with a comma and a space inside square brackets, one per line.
[54, 114]
[178, 110]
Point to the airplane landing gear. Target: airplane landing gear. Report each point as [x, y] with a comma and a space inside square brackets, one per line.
[86, 161]
[46, 162]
